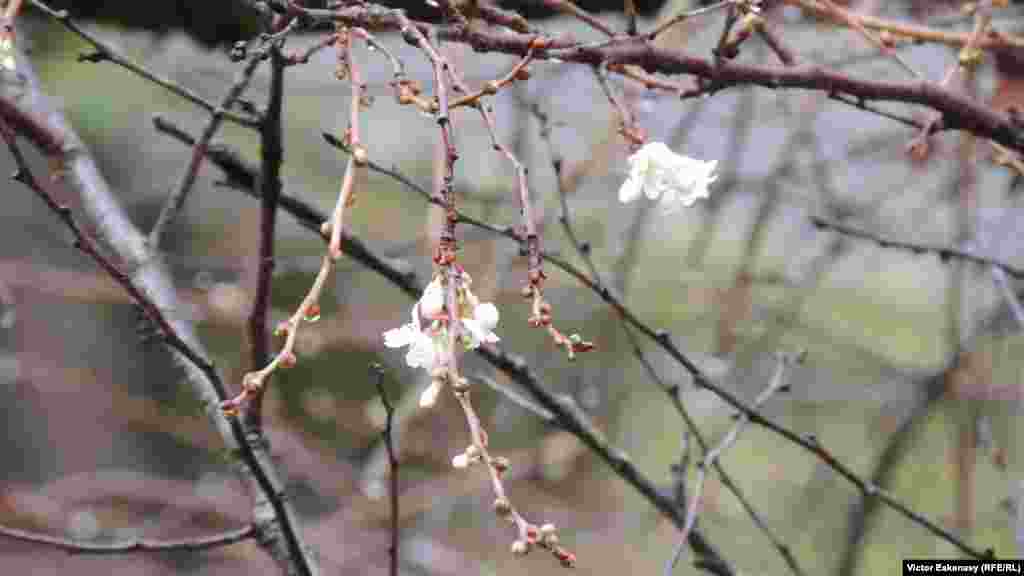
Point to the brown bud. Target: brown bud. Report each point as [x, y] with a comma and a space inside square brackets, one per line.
[502, 507]
[520, 548]
[500, 463]
[523, 73]
[360, 155]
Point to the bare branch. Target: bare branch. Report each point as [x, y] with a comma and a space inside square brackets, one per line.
[130, 546]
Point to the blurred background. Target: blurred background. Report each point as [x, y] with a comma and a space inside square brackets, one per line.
[913, 366]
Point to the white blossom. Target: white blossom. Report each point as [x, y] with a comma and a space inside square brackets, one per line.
[655, 170]
[427, 335]
[460, 461]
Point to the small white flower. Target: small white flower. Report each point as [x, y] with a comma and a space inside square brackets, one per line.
[655, 170]
[427, 336]
[481, 325]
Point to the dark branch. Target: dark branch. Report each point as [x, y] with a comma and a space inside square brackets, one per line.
[943, 252]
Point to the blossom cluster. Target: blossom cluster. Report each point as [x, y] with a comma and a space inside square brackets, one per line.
[427, 334]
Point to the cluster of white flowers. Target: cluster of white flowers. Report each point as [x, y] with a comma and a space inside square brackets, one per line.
[655, 170]
[427, 334]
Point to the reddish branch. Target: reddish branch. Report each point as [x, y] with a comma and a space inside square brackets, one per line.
[958, 112]
[271, 159]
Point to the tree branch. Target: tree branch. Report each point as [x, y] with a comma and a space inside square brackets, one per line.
[31, 113]
[130, 546]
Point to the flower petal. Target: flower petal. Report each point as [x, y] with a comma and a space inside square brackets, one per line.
[421, 353]
[630, 190]
[401, 336]
[487, 315]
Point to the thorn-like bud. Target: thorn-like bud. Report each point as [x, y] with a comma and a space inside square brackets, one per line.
[325, 228]
[289, 360]
[360, 155]
[520, 548]
[490, 87]
[532, 534]
[523, 73]
[527, 291]
[549, 535]
[281, 329]
[311, 313]
[568, 559]
[500, 463]
[503, 508]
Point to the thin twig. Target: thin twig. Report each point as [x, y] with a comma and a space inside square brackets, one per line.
[685, 15]
[389, 410]
[176, 198]
[106, 52]
[943, 252]
[777, 384]
[853, 22]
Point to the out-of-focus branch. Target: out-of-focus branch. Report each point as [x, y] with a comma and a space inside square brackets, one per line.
[129, 546]
[943, 252]
[176, 198]
[134, 265]
[105, 52]
[389, 446]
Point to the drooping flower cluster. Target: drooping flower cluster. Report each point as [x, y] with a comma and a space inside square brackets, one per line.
[655, 170]
[427, 334]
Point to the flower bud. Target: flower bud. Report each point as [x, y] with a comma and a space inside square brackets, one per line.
[460, 461]
[500, 463]
[520, 548]
[502, 507]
